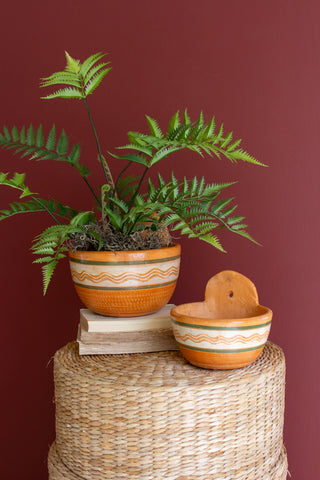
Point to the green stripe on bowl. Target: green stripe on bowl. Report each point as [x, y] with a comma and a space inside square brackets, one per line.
[142, 287]
[136, 262]
[211, 350]
[207, 327]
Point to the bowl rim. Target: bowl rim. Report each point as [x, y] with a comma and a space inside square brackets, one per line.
[261, 320]
[171, 253]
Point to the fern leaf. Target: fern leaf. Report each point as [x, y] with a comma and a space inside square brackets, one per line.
[154, 127]
[227, 140]
[131, 158]
[209, 130]
[219, 136]
[62, 145]
[233, 220]
[227, 212]
[234, 145]
[195, 148]
[246, 157]
[74, 155]
[174, 122]
[61, 78]
[82, 218]
[6, 134]
[186, 118]
[115, 219]
[220, 205]
[89, 62]
[95, 81]
[73, 65]
[22, 136]
[17, 181]
[51, 141]
[38, 205]
[39, 137]
[163, 152]
[30, 135]
[15, 134]
[123, 206]
[33, 146]
[212, 240]
[138, 148]
[42, 260]
[47, 272]
[68, 92]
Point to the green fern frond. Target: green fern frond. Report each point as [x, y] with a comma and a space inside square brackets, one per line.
[73, 66]
[50, 245]
[88, 64]
[81, 80]
[38, 205]
[16, 181]
[190, 207]
[163, 153]
[197, 136]
[135, 158]
[95, 81]
[127, 186]
[154, 127]
[47, 273]
[35, 146]
[174, 123]
[69, 92]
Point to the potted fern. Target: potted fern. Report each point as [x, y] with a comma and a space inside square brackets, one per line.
[122, 259]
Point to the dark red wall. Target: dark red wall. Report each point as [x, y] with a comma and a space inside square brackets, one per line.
[253, 64]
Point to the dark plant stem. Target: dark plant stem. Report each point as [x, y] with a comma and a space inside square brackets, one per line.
[92, 191]
[97, 141]
[45, 208]
[119, 176]
[138, 188]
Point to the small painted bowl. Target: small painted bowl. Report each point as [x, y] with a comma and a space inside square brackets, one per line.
[228, 329]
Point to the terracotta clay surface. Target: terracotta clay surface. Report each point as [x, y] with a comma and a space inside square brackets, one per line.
[228, 329]
[128, 283]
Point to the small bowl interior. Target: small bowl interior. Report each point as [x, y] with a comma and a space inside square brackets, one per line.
[216, 312]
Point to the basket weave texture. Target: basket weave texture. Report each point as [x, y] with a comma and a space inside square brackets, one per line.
[155, 417]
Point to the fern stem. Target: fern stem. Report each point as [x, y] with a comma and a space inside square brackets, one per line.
[45, 208]
[119, 176]
[92, 191]
[97, 140]
[138, 188]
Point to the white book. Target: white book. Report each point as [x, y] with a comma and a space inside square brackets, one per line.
[92, 322]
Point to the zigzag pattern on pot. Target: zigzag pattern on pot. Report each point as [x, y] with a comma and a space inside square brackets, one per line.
[140, 277]
[220, 338]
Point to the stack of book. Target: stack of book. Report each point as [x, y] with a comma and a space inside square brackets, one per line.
[113, 335]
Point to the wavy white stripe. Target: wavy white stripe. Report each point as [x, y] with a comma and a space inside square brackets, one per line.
[221, 339]
[125, 275]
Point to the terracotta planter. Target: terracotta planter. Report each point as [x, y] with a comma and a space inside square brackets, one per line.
[228, 330]
[125, 284]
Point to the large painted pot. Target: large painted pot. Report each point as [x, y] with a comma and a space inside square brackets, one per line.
[128, 283]
[228, 329]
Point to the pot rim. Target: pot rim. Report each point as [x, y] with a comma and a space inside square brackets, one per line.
[263, 319]
[154, 253]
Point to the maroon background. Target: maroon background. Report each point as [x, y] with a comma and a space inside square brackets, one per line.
[255, 65]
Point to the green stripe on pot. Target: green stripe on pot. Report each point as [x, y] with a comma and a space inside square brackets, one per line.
[136, 262]
[207, 327]
[211, 350]
[142, 287]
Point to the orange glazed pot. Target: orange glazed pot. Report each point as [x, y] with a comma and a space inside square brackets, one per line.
[228, 329]
[126, 283]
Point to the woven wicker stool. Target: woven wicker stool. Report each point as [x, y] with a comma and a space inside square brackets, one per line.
[155, 417]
